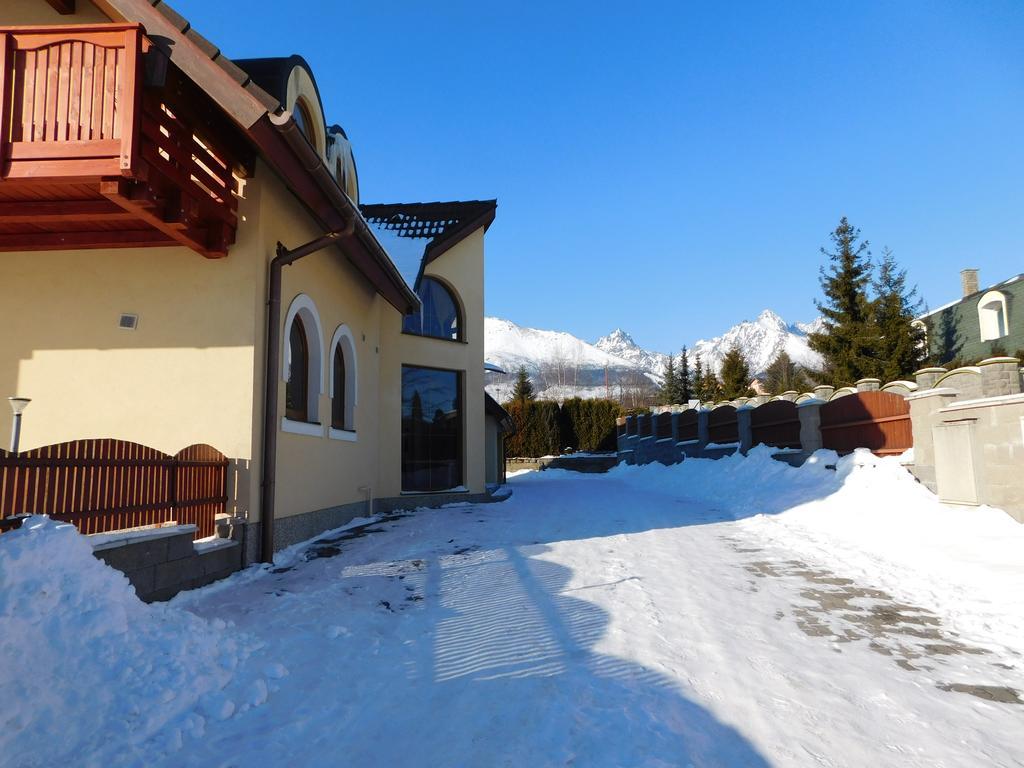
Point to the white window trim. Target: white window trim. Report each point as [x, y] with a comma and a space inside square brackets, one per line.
[343, 335]
[303, 307]
[345, 435]
[302, 428]
[988, 316]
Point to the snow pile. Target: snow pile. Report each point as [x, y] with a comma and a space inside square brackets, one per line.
[406, 252]
[874, 517]
[90, 674]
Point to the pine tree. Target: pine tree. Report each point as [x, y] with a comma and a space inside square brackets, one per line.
[901, 344]
[712, 387]
[523, 389]
[698, 379]
[683, 380]
[849, 340]
[669, 385]
[783, 375]
[735, 374]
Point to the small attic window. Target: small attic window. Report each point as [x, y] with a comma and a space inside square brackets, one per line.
[304, 120]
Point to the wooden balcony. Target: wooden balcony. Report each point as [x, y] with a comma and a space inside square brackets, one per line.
[92, 155]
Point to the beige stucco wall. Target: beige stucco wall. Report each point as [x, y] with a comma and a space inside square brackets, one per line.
[462, 268]
[317, 472]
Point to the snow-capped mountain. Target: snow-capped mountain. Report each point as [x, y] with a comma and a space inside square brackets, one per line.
[562, 365]
[761, 341]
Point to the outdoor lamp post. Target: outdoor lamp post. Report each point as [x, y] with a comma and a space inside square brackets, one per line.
[18, 404]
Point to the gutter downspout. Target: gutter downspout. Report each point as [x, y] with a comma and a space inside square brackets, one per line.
[268, 470]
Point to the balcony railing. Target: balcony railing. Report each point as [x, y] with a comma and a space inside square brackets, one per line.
[92, 156]
[69, 101]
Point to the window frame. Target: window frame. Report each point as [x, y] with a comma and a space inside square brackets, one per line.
[456, 301]
[344, 342]
[461, 443]
[304, 309]
[991, 310]
[300, 413]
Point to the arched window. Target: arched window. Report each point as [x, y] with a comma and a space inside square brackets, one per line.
[297, 388]
[304, 120]
[992, 316]
[302, 367]
[439, 315]
[344, 377]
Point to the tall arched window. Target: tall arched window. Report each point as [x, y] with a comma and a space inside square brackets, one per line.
[303, 119]
[302, 367]
[439, 315]
[344, 377]
[297, 388]
[992, 316]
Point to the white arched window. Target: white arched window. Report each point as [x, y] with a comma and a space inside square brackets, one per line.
[344, 377]
[302, 367]
[992, 316]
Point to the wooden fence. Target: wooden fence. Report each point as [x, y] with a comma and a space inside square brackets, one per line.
[775, 423]
[111, 485]
[663, 425]
[722, 426]
[876, 420]
[686, 426]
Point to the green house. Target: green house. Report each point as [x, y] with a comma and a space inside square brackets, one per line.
[985, 322]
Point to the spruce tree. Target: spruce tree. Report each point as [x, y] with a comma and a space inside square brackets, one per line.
[900, 343]
[784, 375]
[735, 374]
[669, 385]
[683, 380]
[522, 392]
[698, 379]
[712, 387]
[849, 339]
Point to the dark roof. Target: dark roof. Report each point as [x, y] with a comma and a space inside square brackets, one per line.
[272, 73]
[443, 223]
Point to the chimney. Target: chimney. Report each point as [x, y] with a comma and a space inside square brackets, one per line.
[969, 281]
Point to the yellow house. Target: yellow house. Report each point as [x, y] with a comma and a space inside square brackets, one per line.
[187, 261]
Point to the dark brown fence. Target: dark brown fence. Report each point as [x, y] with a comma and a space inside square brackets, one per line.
[686, 427]
[876, 420]
[664, 425]
[722, 425]
[631, 425]
[775, 423]
[110, 485]
[644, 424]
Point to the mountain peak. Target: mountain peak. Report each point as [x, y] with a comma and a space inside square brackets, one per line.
[616, 338]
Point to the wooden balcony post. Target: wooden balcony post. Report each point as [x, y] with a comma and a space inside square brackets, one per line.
[5, 92]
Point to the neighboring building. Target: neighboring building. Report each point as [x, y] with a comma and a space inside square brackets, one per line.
[983, 323]
[144, 195]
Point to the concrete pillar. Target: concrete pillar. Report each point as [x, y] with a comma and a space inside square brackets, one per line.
[809, 412]
[743, 427]
[823, 392]
[790, 394]
[868, 385]
[927, 377]
[702, 428]
[1000, 376]
[923, 409]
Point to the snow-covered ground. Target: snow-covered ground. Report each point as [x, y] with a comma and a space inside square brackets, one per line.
[738, 612]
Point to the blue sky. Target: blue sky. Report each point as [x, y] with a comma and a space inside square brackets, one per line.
[674, 168]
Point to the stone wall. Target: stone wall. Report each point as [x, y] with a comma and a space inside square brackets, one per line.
[162, 562]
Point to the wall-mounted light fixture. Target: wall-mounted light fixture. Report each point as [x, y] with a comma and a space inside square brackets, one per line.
[18, 405]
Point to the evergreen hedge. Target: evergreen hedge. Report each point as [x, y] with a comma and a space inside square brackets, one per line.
[544, 428]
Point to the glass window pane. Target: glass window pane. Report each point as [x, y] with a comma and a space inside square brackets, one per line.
[338, 401]
[431, 429]
[439, 314]
[298, 374]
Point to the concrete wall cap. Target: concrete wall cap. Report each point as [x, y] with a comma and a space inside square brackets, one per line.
[999, 361]
[900, 383]
[104, 541]
[936, 392]
[866, 380]
[810, 402]
[984, 402]
[935, 369]
[966, 369]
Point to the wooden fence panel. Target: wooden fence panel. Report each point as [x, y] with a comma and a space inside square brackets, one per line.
[775, 423]
[879, 421]
[663, 425]
[722, 427]
[109, 485]
[687, 426]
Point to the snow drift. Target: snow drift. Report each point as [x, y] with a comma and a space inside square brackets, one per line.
[85, 659]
